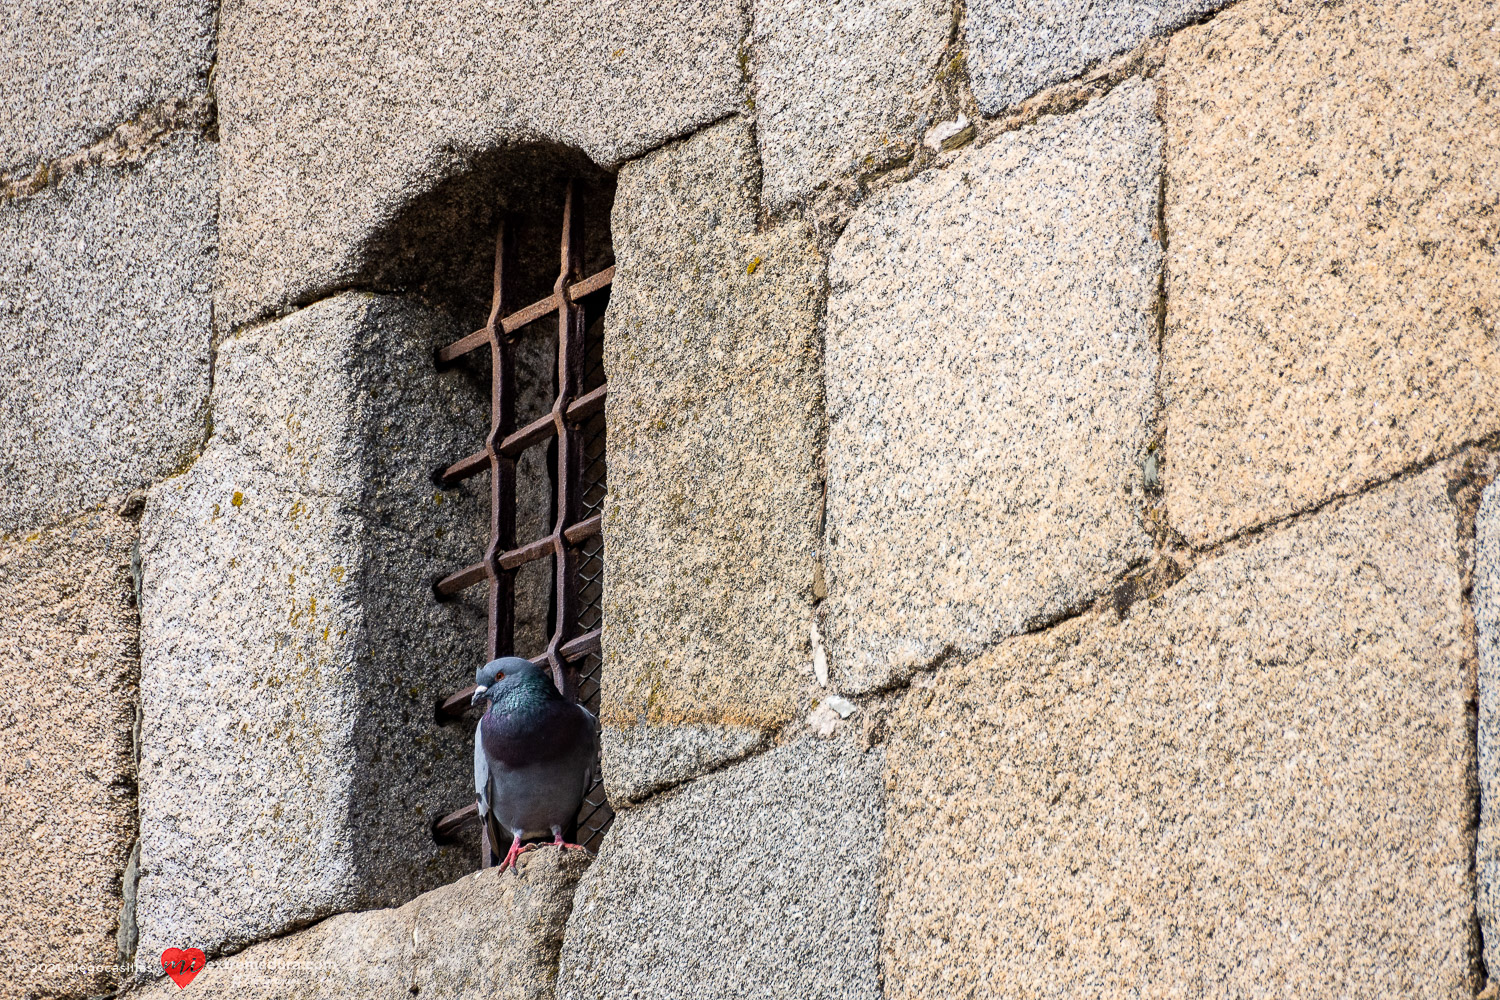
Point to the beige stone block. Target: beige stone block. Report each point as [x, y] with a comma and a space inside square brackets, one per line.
[990, 374]
[68, 685]
[714, 407]
[1256, 784]
[1333, 172]
[491, 935]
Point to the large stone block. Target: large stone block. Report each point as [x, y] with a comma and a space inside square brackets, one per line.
[1255, 784]
[68, 682]
[838, 86]
[339, 120]
[755, 882]
[1487, 618]
[1332, 291]
[1018, 47]
[71, 72]
[714, 410]
[104, 333]
[489, 936]
[989, 370]
[292, 648]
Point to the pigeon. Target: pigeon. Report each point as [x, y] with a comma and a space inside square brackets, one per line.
[536, 755]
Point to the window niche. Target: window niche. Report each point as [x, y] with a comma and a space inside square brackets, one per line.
[537, 351]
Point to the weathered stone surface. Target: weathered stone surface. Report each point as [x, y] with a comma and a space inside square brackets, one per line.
[989, 370]
[1332, 292]
[337, 119]
[488, 936]
[838, 86]
[1018, 47]
[70, 72]
[758, 881]
[68, 644]
[642, 760]
[713, 411]
[1256, 784]
[1487, 618]
[104, 333]
[291, 646]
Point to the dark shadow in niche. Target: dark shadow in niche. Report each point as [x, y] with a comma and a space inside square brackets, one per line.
[440, 249]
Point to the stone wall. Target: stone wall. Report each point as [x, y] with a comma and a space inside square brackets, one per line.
[1051, 548]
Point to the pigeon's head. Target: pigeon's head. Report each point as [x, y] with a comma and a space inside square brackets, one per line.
[507, 672]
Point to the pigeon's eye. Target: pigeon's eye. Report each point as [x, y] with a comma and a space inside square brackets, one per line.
[500, 676]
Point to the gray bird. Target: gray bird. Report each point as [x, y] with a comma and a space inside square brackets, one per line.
[535, 756]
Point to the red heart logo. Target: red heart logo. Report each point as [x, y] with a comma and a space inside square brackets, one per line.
[182, 965]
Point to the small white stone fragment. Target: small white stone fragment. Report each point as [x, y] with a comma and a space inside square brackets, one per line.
[943, 131]
[820, 657]
[843, 706]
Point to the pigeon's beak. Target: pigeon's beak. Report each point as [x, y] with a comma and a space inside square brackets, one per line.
[479, 691]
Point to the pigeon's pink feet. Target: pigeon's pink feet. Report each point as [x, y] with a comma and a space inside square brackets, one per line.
[510, 858]
[557, 841]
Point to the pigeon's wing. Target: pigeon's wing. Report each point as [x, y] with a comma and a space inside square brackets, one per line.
[592, 769]
[481, 773]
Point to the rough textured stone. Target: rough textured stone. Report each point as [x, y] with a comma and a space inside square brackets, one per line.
[754, 882]
[68, 677]
[838, 86]
[989, 370]
[104, 333]
[642, 760]
[1256, 784]
[291, 646]
[70, 72]
[713, 411]
[1487, 617]
[338, 120]
[1332, 292]
[1018, 47]
[488, 936]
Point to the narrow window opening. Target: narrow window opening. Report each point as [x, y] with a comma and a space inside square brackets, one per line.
[543, 402]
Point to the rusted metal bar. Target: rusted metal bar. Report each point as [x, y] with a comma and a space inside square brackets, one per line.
[571, 323]
[517, 557]
[533, 433]
[460, 580]
[502, 577]
[530, 314]
[448, 827]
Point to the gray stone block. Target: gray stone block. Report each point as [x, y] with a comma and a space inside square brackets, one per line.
[640, 761]
[1018, 47]
[70, 72]
[104, 333]
[714, 412]
[491, 935]
[839, 85]
[292, 649]
[1487, 618]
[759, 881]
[340, 126]
[989, 369]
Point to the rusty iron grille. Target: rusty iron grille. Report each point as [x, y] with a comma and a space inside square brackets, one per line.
[575, 544]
